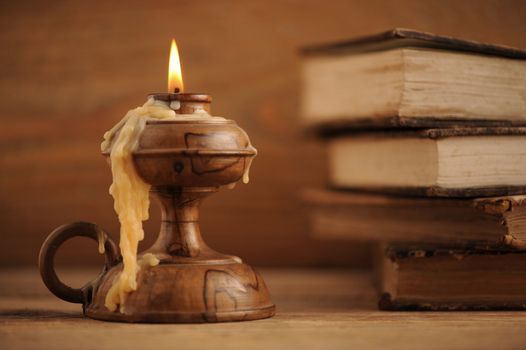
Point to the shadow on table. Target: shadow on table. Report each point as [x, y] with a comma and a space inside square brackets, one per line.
[24, 314]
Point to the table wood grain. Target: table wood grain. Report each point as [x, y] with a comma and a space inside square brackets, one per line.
[317, 309]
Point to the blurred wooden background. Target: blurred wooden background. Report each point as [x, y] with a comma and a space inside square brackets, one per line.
[70, 69]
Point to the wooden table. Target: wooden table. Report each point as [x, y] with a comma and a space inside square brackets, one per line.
[317, 309]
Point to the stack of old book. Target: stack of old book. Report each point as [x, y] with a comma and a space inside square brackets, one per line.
[426, 154]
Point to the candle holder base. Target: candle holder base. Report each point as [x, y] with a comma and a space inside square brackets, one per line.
[189, 293]
[192, 282]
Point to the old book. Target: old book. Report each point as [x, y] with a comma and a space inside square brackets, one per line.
[412, 79]
[453, 280]
[484, 223]
[461, 162]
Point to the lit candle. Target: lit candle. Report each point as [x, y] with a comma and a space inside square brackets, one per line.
[129, 191]
[175, 76]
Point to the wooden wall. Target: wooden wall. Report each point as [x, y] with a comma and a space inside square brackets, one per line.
[70, 69]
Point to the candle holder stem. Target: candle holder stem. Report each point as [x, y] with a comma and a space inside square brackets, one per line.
[179, 239]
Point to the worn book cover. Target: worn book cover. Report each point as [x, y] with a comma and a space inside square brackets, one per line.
[407, 78]
[493, 223]
[448, 162]
[452, 280]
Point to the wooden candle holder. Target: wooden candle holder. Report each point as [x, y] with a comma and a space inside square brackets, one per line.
[184, 161]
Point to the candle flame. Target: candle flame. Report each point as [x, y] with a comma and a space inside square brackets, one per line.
[175, 76]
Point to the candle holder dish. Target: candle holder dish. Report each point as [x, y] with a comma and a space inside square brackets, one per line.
[184, 161]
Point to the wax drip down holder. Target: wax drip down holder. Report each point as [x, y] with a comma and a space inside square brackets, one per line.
[184, 161]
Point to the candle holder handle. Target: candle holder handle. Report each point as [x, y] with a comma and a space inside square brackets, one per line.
[46, 259]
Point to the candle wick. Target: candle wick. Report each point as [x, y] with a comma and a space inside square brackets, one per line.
[176, 90]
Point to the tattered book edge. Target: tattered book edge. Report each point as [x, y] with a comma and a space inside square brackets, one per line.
[341, 197]
[437, 191]
[386, 303]
[432, 127]
[402, 37]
